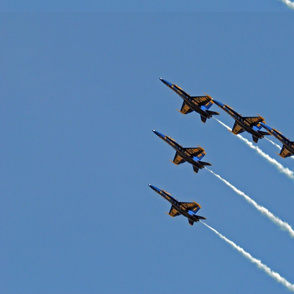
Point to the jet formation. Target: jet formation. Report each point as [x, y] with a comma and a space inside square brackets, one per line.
[254, 125]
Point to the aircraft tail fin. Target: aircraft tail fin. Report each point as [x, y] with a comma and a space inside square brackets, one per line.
[255, 139]
[196, 169]
[191, 222]
[203, 118]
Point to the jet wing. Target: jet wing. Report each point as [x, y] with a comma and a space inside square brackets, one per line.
[186, 108]
[194, 151]
[237, 129]
[191, 206]
[254, 120]
[173, 212]
[178, 159]
[285, 152]
[201, 100]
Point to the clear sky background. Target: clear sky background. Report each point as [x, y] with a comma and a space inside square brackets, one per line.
[80, 95]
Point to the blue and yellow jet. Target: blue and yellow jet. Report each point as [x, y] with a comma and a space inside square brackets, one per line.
[242, 123]
[288, 146]
[191, 155]
[187, 209]
[200, 104]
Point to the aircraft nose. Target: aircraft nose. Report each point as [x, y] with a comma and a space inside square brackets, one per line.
[154, 188]
[158, 134]
[218, 103]
[166, 82]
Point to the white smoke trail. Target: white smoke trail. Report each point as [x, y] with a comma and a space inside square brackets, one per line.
[289, 3]
[273, 143]
[257, 262]
[277, 221]
[279, 166]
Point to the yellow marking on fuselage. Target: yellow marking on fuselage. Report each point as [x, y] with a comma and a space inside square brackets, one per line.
[179, 87]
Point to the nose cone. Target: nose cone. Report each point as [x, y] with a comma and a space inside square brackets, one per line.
[218, 103]
[166, 82]
[154, 188]
[158, 134]
[265, 126]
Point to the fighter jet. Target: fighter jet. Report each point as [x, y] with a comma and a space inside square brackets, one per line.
[191, 155]
[242, 123]
[288, 146]
[200, 104]
[187, 209]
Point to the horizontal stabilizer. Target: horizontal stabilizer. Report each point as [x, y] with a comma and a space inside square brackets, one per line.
[264, 133]
[212, 112]
[191, 222]
[204, 163]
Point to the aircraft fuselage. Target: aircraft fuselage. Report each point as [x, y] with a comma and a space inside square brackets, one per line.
[244, 124]
[188, 99]
[182, 152]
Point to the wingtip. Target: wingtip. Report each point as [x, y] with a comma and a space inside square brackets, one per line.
[208, 96]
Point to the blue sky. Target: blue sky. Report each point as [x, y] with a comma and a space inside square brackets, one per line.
[80, 97]
[144, 6]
